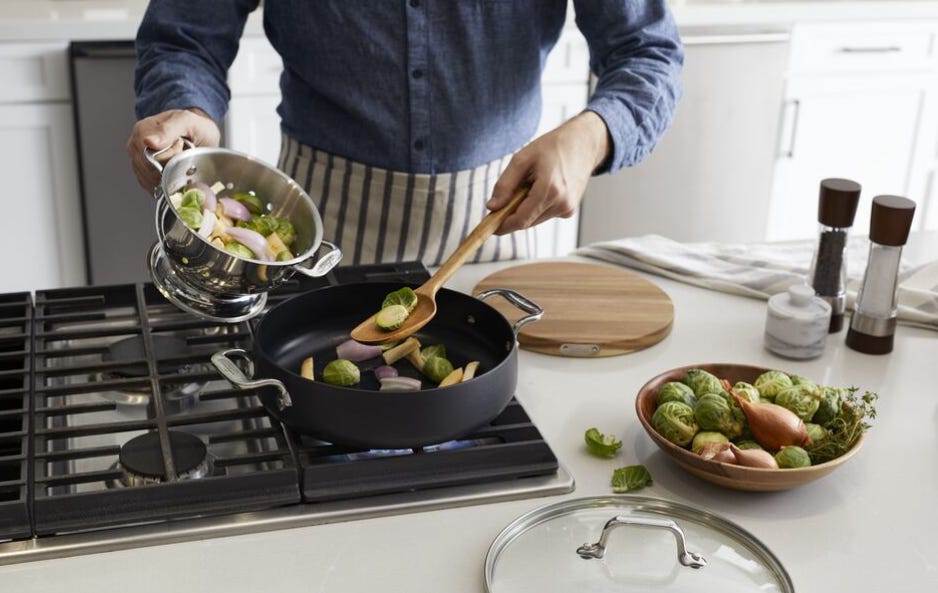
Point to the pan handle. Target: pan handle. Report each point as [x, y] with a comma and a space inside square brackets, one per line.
[152, 155]
[517, 299]
[231, 371]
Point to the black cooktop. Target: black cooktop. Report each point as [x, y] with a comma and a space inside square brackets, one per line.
[111, 415]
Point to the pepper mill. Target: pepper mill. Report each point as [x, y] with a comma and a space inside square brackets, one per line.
[837, 206]
[873, 325]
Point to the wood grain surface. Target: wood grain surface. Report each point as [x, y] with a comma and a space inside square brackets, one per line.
[589, 309]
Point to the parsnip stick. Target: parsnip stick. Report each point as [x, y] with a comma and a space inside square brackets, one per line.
[306, 369]
[401, 350]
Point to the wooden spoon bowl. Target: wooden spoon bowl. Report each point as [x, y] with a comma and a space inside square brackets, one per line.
[368, 331]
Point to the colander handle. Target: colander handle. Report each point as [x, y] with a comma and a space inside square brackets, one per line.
[152, 155]
[323, 265]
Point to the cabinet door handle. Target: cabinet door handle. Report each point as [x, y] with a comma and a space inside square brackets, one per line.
[795, 111]
[886, 49]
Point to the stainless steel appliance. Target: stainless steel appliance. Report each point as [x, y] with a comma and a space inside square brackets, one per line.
[117, 432]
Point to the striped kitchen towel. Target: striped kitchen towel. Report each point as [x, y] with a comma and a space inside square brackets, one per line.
[760, 270]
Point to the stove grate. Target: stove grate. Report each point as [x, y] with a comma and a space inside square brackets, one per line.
[15, 347]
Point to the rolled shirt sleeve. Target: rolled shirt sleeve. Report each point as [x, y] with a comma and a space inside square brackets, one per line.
[637, 57]
[184, 50]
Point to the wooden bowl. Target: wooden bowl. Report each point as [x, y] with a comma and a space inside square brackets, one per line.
[725, 474]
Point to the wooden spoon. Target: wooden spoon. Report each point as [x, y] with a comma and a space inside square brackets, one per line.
[368, 331]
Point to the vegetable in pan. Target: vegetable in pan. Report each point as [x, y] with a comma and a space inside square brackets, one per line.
[341, 372]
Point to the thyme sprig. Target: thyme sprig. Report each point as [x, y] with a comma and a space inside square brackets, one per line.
[856, 416]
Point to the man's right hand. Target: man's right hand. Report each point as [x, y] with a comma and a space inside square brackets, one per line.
[163, 129]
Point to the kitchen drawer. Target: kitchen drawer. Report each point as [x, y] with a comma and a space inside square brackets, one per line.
[256, 70]
[33, 72]
[821, 48]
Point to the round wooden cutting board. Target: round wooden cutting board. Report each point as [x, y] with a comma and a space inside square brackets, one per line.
[589, 309]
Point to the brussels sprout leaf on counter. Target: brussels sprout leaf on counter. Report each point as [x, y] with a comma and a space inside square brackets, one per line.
[630, 478]
[602, 445]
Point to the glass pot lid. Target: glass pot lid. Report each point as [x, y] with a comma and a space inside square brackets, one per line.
[629, 543]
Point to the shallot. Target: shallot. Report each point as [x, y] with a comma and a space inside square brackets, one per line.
[754, 457]
[384, 371]
[717, 452]
[250, 239]
[356, 351]
[235, 209]
[400, 384]
[773, 426]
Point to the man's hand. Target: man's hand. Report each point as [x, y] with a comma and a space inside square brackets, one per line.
[161, 130]
[558, 166]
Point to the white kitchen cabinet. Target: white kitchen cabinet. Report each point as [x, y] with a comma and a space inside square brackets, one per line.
[41, 237]
[253, 126]
[710, 175]
[860, 103]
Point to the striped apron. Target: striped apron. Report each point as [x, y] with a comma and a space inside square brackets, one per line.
[379, 216]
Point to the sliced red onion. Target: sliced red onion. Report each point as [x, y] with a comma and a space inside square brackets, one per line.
[385, 371]
[399, 384]
[235, 209]
[211, 199]
[208, 223]
[250, 239]
[356, 351]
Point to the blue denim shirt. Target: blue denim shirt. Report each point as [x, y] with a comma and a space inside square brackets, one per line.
[422, 86]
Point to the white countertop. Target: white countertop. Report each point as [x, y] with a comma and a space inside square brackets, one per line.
[866, 527]
[22, 20]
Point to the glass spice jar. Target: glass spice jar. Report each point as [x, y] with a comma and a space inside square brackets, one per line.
[873, 324]
[837, 206]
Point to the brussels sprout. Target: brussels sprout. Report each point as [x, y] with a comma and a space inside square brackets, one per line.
[392, 317]
[341, 372]
[770, 383]
[800, 380]
[676, 392]
[250, 201]
[675, 422]
[239, 249]
[602, 445]
[829, 406]
[747, 391]
[791, 456]
[800, 399]
[263, 224]
[629, 478]
[192, 216]
[433, 350]
[404, 296]
[437, 368]
[702, 382]
[193, 198]
[748, 444]
[707, 436]
[284, 229]
[714, 412]
[816, 432]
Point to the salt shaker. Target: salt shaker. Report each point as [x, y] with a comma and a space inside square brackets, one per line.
[796, 323]
[873, 324]
[837, 206]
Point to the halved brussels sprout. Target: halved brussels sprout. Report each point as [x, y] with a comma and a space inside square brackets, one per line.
[341, 372]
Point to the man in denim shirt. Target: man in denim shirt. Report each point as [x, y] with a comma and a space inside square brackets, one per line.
[406, 120]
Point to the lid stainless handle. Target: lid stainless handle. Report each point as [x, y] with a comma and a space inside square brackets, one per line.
[517, 299]
[231, 371]
[598, 550]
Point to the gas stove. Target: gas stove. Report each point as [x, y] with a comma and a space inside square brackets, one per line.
[117, 432]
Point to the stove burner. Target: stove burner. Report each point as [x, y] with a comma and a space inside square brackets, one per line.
[141, 458]
[132, 349]
[177, 398]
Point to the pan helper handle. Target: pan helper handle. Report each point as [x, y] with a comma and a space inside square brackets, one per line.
[231, 371]
[533, 310]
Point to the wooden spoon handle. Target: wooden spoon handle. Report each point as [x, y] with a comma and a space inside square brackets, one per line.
[474, 241]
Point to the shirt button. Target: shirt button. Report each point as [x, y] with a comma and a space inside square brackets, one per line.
[418, 144]
[415, 3]
[417, 73]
